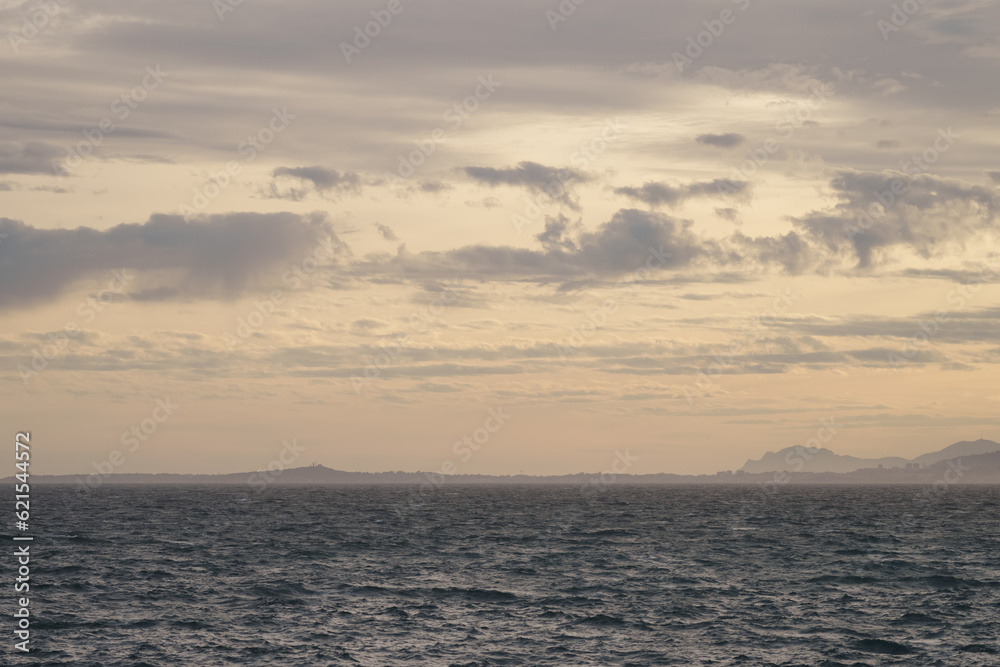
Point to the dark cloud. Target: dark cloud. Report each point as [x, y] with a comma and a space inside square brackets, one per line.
[880, 211]
[982, 274]
[487, 202]
[303, 36]
[627, 241]
[630, 241]
[730, 214]
[434, 187]
[537, 178]
[994, 176]
[591, 66]
[790, 251]
[728, 140]
[33, 157]
[922, 329]
[880, 343]
[657, 194]
[555, 236]
[929, 213]
[218, 256]
[320, 179]
[385, 231]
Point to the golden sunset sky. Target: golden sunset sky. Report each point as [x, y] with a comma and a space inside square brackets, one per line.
[689, 230]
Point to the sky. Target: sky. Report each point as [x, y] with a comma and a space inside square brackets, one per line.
[496, 237]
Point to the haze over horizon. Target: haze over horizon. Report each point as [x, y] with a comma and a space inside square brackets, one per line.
[801, 453]
[430, 246]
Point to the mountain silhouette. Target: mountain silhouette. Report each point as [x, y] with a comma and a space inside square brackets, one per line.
[977, 460]
[964, 448]
[806, 459]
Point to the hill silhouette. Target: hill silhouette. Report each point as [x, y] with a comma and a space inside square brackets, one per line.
[805, 459]
[978, 461]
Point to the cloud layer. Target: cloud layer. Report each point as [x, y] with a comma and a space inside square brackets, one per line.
[218, 256]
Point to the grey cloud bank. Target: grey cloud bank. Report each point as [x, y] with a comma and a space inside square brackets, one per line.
[220, 255]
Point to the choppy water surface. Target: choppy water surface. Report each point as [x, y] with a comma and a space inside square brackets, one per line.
[515, 576]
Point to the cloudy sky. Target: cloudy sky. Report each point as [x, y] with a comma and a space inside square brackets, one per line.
[689, 230]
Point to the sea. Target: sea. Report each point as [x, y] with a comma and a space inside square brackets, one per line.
[513, 575]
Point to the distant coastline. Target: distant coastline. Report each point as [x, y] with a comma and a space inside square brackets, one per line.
[944, 469]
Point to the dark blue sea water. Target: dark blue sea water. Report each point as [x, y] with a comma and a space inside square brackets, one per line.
[515, 576]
